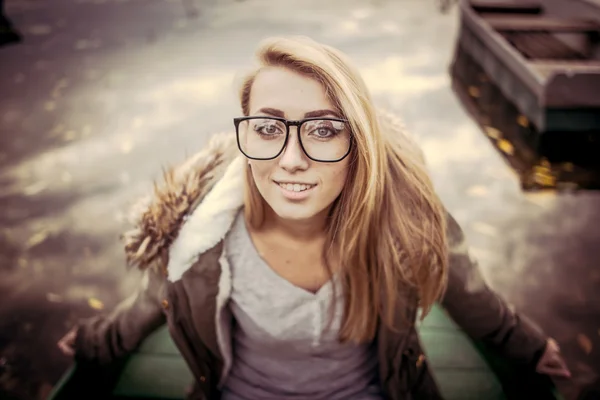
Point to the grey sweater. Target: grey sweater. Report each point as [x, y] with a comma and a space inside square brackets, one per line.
[282, 346]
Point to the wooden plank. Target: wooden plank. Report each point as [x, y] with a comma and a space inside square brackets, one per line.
[547, 68]
[539, 24]
[154, 376]
[512, 7]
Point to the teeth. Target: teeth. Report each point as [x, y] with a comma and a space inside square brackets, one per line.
[294, 187]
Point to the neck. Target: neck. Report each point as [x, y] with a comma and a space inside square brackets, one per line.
[306, 230]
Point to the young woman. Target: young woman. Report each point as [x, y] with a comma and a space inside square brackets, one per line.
[289, 260]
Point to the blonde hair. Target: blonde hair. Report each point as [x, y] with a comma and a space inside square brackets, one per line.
[387, 228]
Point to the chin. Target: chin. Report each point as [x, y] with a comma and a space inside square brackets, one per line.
[294, 212]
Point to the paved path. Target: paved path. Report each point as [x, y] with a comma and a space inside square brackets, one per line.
[104, 92]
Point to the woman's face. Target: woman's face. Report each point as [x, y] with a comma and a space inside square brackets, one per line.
[293, 185]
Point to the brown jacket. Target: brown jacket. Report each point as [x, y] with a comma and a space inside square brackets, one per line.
[178, 241]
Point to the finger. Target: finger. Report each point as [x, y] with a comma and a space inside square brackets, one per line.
[555, 371]
[554, 344]
[555, 362]
[67, 350]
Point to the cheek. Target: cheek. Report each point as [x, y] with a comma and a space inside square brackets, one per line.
[260, 172]
[337, 180]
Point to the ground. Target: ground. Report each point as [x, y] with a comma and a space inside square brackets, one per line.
[103, 93]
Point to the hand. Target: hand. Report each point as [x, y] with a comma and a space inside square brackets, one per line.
[67, 343]
[551, 363]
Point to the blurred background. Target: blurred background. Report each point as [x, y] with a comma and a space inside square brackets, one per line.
[98, 95]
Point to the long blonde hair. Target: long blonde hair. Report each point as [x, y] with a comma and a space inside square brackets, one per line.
[387, 228]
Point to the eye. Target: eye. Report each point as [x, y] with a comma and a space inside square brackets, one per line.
[324, 129]
[324, 132]
[267, 128]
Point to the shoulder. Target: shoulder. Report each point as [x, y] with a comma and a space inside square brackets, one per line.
[157, 218]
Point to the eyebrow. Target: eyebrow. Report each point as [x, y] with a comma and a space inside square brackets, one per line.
[311, 114]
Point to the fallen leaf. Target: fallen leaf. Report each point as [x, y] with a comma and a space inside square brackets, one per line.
[58, 88]
[543, 176]
[95, 303]
[92, 74]
[50, 106]
[523, 121]
[66, 177]
[492, 132]
[37, 238]
[506, 146]
[473, 91]
[54, 298]
[137, 122]
[35, 188]
[477, 191]
[585, 343]
[568, 166]
[40, 29]
[70, 135]
[484, 228]
[86, 44]
[126, 146]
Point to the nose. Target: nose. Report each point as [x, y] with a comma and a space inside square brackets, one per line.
[293, 157]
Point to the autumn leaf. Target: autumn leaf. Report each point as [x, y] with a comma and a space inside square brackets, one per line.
[54, 298]
[523, 121]
[568, 167]
[506, 146]
[492, 132]
[95, 303]
[486, 229]
[585, 343]
[37, 238]
[35, 188]
[477, 191]
[542, 175]
[50, 106]
[126, 146]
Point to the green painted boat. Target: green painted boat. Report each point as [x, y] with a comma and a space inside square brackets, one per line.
[463, 369]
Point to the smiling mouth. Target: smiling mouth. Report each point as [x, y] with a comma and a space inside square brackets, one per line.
[295, 187]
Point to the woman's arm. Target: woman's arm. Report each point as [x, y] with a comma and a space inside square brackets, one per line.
[105, 338]
[482, 313]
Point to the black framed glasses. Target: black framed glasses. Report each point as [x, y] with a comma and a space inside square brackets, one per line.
[322, 139]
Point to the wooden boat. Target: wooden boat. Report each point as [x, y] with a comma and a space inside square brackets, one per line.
[531, 79]
[463, 370]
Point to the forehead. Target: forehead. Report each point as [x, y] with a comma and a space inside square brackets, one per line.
[288, 91]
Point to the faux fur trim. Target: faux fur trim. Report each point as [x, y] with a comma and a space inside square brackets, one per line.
[211, 221]
[158, 218]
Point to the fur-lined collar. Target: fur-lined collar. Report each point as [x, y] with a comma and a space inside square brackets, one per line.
[171, 227]
[193, 209]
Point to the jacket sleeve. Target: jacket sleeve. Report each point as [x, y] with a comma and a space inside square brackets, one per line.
[483, 314]
[105, 338]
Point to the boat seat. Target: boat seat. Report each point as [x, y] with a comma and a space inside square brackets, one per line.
[157, 371]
